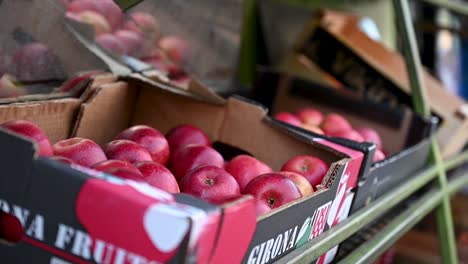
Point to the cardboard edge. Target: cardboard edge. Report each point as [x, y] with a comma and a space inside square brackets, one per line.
[82, 109]
[398, 156]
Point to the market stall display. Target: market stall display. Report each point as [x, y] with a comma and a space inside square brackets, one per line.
[125, 137]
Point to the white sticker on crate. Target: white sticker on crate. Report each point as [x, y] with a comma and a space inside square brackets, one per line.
[166, 226]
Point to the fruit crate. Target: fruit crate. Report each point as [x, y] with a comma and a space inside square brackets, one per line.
[408, 132]
[402, 221]
[132, 101]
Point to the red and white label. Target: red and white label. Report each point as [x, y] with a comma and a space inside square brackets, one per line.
[320, 220]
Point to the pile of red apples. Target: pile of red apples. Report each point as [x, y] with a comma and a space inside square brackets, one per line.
[333, 125]
[137, 35]
[184, 161]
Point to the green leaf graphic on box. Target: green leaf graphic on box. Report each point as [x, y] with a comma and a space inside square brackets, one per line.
[304, 233]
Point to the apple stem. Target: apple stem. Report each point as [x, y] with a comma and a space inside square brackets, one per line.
[271, 201]
[209, 181]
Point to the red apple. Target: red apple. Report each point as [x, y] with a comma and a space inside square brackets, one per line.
[175, 48]
[94, 19]
[348, 134]
[288, 118]
[193, 156]
[334, 123]
[158, 176]
[111, 43]
[209, 182]
[310, 116]
[77, 84]
[370, 135]
[31, 131]
[35, 62]
[273, 189]
[111, 164]
[62, 160]
[178, 76]
[143, 23]
[11, 229]
[126, 174]
[301, 182]
[111, 11]
[312, 168]
[131, 40]
[107, 8]
[262, 207]
[149, 138]
[174, 72]
[183, 135]
[126, 150]
[244, 168]
[379, 155]
[82, 151]
[312, 128]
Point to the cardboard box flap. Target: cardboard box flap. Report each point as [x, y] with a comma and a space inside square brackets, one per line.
[118, 100]
[195, 86]
[389, 63]
[55, 117]
[165, 110]
[199, 88]
[196, 90]
[449, 103]
[301, 66]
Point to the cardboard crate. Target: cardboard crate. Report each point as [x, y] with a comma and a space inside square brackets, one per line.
[405, 135]
[97, 208]
[335, 43]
